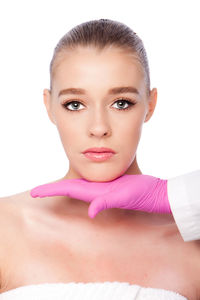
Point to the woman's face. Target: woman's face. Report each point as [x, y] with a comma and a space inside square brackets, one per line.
[99, 118]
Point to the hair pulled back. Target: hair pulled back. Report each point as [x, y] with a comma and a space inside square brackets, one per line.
[101, 34]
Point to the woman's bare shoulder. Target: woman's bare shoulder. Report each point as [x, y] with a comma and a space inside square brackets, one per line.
[8, 203]
[10, 219]
[6, 225]
[11, 211]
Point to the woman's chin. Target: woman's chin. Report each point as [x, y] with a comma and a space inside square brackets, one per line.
[101, 178]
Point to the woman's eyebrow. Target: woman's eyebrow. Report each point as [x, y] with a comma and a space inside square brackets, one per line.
[112, 91]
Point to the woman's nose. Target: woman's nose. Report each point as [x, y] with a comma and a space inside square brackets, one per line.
[99, 125]
[99, 130]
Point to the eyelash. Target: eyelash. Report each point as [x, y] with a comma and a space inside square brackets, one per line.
[131, 103]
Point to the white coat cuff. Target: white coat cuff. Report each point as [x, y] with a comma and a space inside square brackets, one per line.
[184, 199]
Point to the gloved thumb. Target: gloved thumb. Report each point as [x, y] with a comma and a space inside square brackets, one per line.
[97, 205]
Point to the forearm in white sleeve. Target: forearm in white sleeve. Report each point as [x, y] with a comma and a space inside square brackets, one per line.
[184, 198]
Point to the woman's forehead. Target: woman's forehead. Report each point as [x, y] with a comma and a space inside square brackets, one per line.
[102, 67]
[90, 56]
[113, 68]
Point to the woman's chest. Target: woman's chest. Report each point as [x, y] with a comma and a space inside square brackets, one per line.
[83, 255]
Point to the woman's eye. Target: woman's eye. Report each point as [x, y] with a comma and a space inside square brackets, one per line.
[120, 104]
[74, 104]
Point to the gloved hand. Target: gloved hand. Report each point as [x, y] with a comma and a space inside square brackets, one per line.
[136, 192]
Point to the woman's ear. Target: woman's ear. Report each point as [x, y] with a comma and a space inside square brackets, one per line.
[48, 103]
[152, 100]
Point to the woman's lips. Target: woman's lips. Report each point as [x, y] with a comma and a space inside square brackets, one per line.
[99, 156]
[99, 149]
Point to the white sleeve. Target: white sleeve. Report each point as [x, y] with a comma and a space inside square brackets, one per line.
[184, 198]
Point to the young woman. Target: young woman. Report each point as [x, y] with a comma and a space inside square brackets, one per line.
[99, 96]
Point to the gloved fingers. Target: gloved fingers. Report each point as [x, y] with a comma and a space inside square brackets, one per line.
[75, 188]
[50, 189]
[97, 205]
[106, 201]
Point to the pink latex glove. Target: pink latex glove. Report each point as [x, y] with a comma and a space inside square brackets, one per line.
[136, 192]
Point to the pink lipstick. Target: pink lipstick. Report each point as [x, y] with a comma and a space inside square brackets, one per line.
[98, 154]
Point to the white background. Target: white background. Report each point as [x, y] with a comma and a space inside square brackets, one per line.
[31, 152]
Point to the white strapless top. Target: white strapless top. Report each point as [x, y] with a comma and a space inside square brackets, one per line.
[89, 291]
